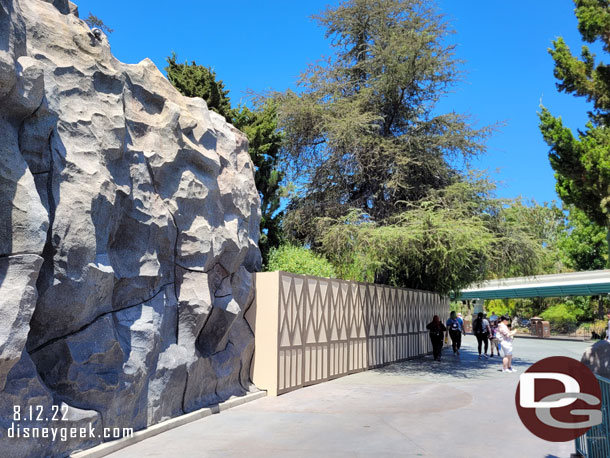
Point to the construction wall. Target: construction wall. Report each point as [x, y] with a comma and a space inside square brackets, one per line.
[310, 329]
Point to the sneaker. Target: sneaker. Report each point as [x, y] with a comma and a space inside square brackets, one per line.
[485, 356]
[510, 369]
[492, 355]
[480, 356]
[505, 370]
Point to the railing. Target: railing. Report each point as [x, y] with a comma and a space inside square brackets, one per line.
[311, 329]
[596, 442]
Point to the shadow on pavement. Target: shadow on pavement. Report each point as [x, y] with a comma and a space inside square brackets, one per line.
[467, 365]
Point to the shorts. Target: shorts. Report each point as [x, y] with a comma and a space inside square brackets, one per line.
[507, 348]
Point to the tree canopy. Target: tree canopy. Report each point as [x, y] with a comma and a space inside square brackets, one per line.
[195, 80]
[454, 237]
[583, 245]
[362, 133]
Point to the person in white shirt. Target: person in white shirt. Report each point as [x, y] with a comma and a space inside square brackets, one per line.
[506, 343]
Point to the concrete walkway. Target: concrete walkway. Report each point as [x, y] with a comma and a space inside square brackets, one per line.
[460, 407]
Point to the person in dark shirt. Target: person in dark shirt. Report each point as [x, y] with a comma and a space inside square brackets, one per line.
[437, 333]
[455, 332]
[482, 331]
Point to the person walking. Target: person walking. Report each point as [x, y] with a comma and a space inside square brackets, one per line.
[506, 343]
[482, 331]
[454, 325]
[494, 343]
[437, 332]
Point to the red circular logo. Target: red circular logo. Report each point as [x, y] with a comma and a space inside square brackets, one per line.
[559, 399]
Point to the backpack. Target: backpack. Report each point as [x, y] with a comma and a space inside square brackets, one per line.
[478, 328]
[454, 325]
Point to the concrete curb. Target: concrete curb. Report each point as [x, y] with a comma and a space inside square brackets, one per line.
[110, 447]
[561, 339]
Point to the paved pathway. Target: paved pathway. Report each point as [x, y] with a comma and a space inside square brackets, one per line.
[461, 407]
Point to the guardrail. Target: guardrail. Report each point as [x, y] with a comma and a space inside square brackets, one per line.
[311, 329]
[596, 442]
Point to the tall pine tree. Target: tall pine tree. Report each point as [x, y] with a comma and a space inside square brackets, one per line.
[582, 162]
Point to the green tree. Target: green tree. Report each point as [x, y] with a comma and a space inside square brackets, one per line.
[452, 238]
[259, 125]
[93, 21]
[584, 245]
[198, 81]
[363, 133]
[542, 225]
[501, 307]
[582, 163]
[264, 145]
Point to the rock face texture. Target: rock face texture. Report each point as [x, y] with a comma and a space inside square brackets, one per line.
[129, 224]
[597, 358]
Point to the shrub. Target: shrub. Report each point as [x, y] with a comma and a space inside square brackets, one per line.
[562, 317]
[299, 260]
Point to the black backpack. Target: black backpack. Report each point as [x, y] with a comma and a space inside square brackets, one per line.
[478, 326]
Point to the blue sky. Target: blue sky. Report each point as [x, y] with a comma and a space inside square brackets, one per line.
[262, 44]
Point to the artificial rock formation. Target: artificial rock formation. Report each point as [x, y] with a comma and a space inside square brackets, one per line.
[597, 358]
[129, 223]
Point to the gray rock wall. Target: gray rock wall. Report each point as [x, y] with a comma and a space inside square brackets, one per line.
[129, 225]
[597, 358]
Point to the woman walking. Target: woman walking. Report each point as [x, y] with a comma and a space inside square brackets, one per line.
[506, 343]
[437, 333]
[455, 332]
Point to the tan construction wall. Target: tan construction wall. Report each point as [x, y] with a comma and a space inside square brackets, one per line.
[310, 329]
